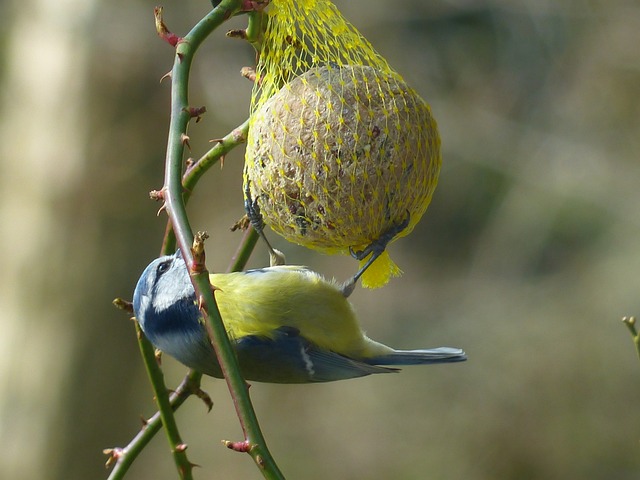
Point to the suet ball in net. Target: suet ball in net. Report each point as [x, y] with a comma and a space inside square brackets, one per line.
[340, 150]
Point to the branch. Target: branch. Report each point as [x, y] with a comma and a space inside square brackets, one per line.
[223, 146]
[178, 447]
[181, 113]
[175, 207]
[123, 458]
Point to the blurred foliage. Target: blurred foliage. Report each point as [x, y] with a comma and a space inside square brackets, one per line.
[527, 256]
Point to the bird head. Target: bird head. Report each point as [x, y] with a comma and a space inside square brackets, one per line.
[164, 301]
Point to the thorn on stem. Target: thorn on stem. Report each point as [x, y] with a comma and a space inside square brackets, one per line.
[206, 399]
[184, 138]
[242, 447]
[166, 75]
[202, 306]
[161, 209]
[181, 447]
[163, 32]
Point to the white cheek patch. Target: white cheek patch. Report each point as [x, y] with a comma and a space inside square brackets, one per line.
[173, 286]
[165, 298]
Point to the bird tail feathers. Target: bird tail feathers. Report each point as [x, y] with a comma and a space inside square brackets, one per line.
[420, 357]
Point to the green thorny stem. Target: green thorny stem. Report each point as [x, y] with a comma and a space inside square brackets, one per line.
[175, 193]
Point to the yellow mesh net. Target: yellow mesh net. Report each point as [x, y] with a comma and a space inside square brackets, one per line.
[340, 149]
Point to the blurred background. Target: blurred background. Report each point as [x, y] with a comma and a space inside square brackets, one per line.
[527, 258]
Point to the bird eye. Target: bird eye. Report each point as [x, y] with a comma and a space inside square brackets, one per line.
[163, 267]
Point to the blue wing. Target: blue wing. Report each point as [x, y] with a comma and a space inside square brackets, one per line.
[287, 357]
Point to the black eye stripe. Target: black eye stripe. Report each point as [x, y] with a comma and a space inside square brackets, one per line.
[161, 269]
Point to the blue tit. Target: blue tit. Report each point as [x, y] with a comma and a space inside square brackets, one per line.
[287, 325]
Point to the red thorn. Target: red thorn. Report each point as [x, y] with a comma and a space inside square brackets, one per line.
[242, 447]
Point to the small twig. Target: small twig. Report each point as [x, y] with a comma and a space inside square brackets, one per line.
[163, 32]
[240, 33]
[223, 146]
[165, 408]
[123, 305]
